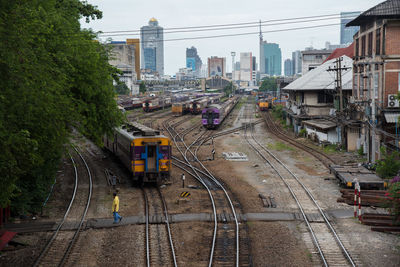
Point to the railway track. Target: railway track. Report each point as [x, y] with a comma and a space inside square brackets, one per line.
[156, 238]
[327, 242]
[277, 131]
[58, 249]
[225, 243]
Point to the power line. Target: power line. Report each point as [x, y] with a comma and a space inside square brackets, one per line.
[227, 28]
[241, 34]
[235, 24]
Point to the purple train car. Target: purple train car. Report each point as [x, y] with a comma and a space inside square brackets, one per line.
[213, 115]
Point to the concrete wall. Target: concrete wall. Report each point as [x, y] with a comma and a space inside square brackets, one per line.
[353, 139]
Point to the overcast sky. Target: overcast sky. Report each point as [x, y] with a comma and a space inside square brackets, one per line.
[131, 15]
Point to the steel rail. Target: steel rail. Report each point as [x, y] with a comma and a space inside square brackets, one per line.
[74, 238]
[50, 242]
[281, 135]
[310, 195]
[168, 226]
[227, 197]
[198, 178]
[146, 208]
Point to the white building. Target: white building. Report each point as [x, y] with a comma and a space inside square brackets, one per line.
[246, 67]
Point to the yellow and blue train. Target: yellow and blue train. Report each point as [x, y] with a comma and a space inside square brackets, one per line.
[144, 151]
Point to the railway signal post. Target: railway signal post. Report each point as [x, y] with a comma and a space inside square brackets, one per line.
[183, 180]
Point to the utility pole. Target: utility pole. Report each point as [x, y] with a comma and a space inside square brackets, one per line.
[338, 87]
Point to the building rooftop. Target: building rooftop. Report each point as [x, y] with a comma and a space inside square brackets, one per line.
[320, 124]
[338, 52]
[387, 9]
[316, 51]
[321, 79]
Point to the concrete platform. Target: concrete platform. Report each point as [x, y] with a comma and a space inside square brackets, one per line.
[99, 223]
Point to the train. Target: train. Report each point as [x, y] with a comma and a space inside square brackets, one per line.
[265, 104]
[213, 115]
[197, 105]
[144, 151]
[153, 104]
[180, 108]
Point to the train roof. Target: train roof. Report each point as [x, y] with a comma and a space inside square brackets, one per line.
[214, 106]
[135, 129]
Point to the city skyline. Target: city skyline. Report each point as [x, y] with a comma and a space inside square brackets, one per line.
[166, 12]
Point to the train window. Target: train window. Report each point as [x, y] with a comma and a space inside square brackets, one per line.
[204, 116]
[150, 151]
[215, 115]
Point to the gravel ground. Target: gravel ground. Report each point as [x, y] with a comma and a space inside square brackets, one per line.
[272, 243]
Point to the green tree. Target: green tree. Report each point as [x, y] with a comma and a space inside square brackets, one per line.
[53, 77]
[389, 165]
[122, 89]
[142, 88]
[228, 89]
[268, 84]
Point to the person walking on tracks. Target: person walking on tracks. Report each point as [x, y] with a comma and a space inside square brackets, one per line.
[115, 208]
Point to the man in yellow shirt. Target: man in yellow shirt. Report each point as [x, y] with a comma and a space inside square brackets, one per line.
[115, 209]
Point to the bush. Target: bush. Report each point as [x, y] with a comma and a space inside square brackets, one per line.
[360, 151]
[303, 133]
[389, 165]
[394, 198]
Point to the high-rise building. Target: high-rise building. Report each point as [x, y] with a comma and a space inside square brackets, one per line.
[288, 68]
[347, 33]
[152, 52]
[246, 66]
[193, 61]
[296, 62]
[125, 56]
[270, 59]
[216, 66]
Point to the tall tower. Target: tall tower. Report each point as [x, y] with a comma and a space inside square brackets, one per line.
[262, 66]
[152, 42]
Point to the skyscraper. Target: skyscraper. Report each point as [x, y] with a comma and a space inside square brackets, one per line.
[246, 66]
[152, 52]
[346, 33]
[288, 68]
[270, 59]
[193, 60]
[296, 62]
[216, 66]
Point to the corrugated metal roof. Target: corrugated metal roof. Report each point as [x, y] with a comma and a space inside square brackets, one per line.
[321, 79]
[392, 117]
[321, 124]
[387, 9]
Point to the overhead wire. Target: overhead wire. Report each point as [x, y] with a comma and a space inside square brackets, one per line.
[257, 23]
[226, 28]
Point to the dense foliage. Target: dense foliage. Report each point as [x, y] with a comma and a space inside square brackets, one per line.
[121, 89]
[142, 88]
[389, 165]
[268, 84]
[393, 195]
[228, 89]
[53, 77]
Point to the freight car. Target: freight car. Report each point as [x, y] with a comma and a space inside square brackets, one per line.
[214, 114]
[153, 104]
[145, 152]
